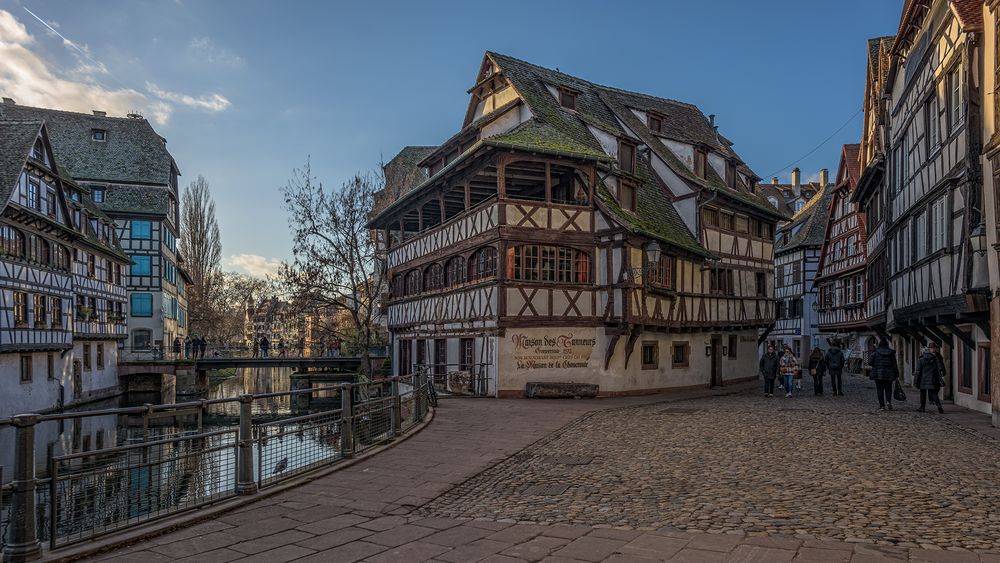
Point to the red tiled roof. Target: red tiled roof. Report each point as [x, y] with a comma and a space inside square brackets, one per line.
[849, 171]
[969, 14]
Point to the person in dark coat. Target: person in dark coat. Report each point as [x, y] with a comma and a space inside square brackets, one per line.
[769, 370]
[177, 347]
[817, 368]
[835, 367]
[264, 346]
[929, 377]
[884, 372]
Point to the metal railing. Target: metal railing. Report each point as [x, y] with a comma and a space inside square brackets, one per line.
[83, 495]
[458, 379]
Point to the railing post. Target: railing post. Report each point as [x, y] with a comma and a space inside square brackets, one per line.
[245, 483]
[421, 392]
[22, 535]
[346, 421]
[397, 409]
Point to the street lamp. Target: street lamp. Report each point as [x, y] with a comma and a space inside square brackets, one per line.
[978, 239]
[653, 252]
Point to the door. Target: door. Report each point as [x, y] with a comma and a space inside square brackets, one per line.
[716, 361]
[77, 380]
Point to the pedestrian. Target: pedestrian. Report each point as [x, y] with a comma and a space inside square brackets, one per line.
[929, 376]
[835, 367]
[789, 368]
[255, 347]
[203, 345]
[817, 368]
[281, 346]
[884, 371]
[769, 370]
[187, 347]
[177, 347]
[264, 346]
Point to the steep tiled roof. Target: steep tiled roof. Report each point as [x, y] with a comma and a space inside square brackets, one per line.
[850, 165]
[134, 199]
[132, 153]
[969, 14]
[401, 175]
[16, 140]
[810, 222]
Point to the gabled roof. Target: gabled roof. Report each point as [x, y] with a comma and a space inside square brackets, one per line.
[969, 14]
[16, 140]
[402, 173]
[849, 171]
[810, 221]
[133, 152]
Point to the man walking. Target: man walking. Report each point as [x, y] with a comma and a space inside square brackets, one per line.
[835, 367]
[769, 370]
[929, 377]
[884, 372]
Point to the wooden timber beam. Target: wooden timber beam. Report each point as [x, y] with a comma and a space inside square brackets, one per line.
[611, 350]
[630, 345]
[965, 337]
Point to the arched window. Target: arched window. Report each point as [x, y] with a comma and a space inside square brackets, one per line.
[397, 288]
[483, 263]
[412, 282]
[532, 262]
[11, 242]
[454, 272]
[433, 277]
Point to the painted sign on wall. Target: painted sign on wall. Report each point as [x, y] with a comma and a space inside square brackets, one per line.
[551, 351]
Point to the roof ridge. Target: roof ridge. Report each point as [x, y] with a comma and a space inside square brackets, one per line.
[594, 84]
[126, 118]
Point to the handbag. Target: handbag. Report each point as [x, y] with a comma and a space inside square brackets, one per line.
[897, 392]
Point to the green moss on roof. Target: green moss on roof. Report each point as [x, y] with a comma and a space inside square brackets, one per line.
[535, 135]
[810, 222]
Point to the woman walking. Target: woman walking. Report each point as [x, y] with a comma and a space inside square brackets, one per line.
[817, 367]
[884, 372]
[929, 377]
[789, 366]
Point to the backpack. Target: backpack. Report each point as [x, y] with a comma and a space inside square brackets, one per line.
[835, 361]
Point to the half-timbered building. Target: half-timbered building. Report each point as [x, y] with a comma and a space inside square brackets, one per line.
[991, 199]
[572, 232]
[790, 198]
[870, 195]
[61, 294]
[796, 262]
[841, 278]
[131, 177]
[938, 287]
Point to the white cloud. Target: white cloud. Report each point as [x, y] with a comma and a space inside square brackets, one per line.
[31, 79]
[208, 51]
[211, 102]
[253, 264]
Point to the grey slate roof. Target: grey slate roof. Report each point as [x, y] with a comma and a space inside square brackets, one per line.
[812, 219]
[16, 140]
[136, 199]
[133, 152]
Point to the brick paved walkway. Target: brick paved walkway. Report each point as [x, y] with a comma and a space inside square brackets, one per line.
[456, 492]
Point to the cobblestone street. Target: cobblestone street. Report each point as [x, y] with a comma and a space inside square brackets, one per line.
[830, 467]
[634, 480]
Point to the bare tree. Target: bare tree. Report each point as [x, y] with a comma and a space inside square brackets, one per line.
[233, 293]
[201, 248]
[334, 264]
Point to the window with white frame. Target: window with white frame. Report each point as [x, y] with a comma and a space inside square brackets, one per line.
[939, 225]
[920, 236]
[955, 110]
[932, 123]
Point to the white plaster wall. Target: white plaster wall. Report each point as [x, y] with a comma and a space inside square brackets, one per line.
[683, 151]
[608, 141]
[718, 163]
[617, 378]
[688, 210]
[40, 394]
[505, 122]
[678, 186]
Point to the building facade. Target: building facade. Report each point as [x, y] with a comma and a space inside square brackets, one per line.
[841, 279]
[573, 233]
[790, 198]
[938, 287]
[278, 321]
[796, 262]
[61, 293]
[125, 167]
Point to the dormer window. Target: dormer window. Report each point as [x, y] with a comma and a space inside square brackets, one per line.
[627, 195]
[654, 122]
[99, 135]
[98, 195]
[699, 163]
[626, 156]
[567, 98]
[38, 151]
[730, 174]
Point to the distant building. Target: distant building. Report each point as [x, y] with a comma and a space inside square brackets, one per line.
[125, 167]
[789, 199]
[796, 261]
[277, 320]
[62, 298]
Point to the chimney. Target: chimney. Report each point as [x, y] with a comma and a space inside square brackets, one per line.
[796, 176]
[774, 180]
[8, 101]
[99, 113]
[824, 177]
[711, 120]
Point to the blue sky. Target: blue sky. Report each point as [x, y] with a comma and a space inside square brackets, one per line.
[244, 91]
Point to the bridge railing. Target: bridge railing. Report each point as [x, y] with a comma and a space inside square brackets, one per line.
[83, 495]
